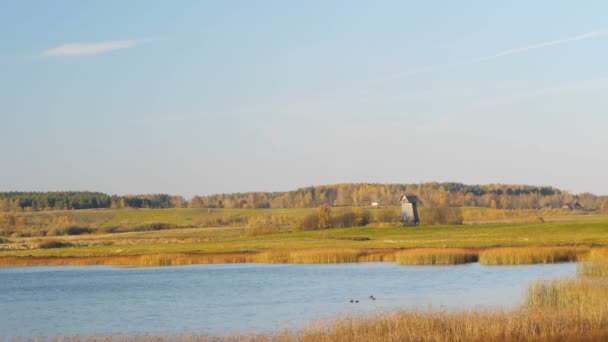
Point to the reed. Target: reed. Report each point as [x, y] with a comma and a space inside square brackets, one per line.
[327, 256]
[531, 255]
[480, 325]
[273, 257]
[568, 293]
[436, 256]
[133, 260]
[596, 264]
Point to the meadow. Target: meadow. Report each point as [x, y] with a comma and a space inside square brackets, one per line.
[272, 236]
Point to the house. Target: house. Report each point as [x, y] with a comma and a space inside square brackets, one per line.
[376, 204]
[573, 206]
[409, 209]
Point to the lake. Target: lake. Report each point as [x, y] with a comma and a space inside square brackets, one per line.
[241, 298]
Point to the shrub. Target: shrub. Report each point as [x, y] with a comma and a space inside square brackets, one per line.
[362, 217]
[344, 220]
[154, 226]
[441, 215]
[108, 230]
[355, 218]
[262, 231]
[388, 215]
[54, 244]
[310, 222]
[76, 230]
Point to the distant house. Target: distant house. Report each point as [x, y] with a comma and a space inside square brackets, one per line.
[375, 204]
[573, 206]
[409, 209]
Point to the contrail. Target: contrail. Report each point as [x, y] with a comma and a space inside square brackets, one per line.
[588, 35]
[505, 53]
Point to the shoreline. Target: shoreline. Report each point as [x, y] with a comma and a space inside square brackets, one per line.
[409, 256]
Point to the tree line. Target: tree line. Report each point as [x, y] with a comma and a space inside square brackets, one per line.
[432, 194]
[75, 200]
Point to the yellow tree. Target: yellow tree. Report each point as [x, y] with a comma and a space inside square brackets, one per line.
[324, 216]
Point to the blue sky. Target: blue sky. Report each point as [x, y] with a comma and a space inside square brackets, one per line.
[198, 97]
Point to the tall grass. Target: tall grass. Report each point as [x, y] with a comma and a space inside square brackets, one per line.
[479, 325]
[531, 255]
[436, 256]
[596, 264]
[416, 256]
[131, 260]
[568, 293]
[330, 256]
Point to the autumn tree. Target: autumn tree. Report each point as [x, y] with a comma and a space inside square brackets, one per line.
[324, 216]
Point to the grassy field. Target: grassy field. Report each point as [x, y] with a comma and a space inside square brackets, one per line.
[565, 230]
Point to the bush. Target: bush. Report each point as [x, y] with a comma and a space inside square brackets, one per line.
[76, 230]
[441, 215]
[262, 231]
[108, 230]
[6, 232]
[54, 244]
[154, 226]
[388, 215]
[355, 218]
[310, 222]
[344, 220]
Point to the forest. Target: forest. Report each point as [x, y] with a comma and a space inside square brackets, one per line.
[432, 194]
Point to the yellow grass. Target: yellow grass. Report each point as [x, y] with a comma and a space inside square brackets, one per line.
[531, 255]
[436, 256]
[596, 264]
[490, 325]
[568, 294]
[132, 260]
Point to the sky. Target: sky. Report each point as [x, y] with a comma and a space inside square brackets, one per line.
[202, 97]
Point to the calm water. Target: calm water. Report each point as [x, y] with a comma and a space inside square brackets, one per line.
[223, 299]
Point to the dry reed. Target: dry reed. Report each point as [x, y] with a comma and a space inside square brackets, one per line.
[436, 256]
[568, 293]
[480, 325]
[531, 255]
[417, 256]
[596, 264]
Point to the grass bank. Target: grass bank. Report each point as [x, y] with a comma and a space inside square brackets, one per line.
[578, 231]
[414, 256]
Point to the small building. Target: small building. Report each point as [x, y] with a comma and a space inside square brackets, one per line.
[409, 209]
[375, 204]
[573, 206]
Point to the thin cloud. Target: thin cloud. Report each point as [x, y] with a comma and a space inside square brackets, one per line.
[89, 49]
[588, 35]
[501, 54]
